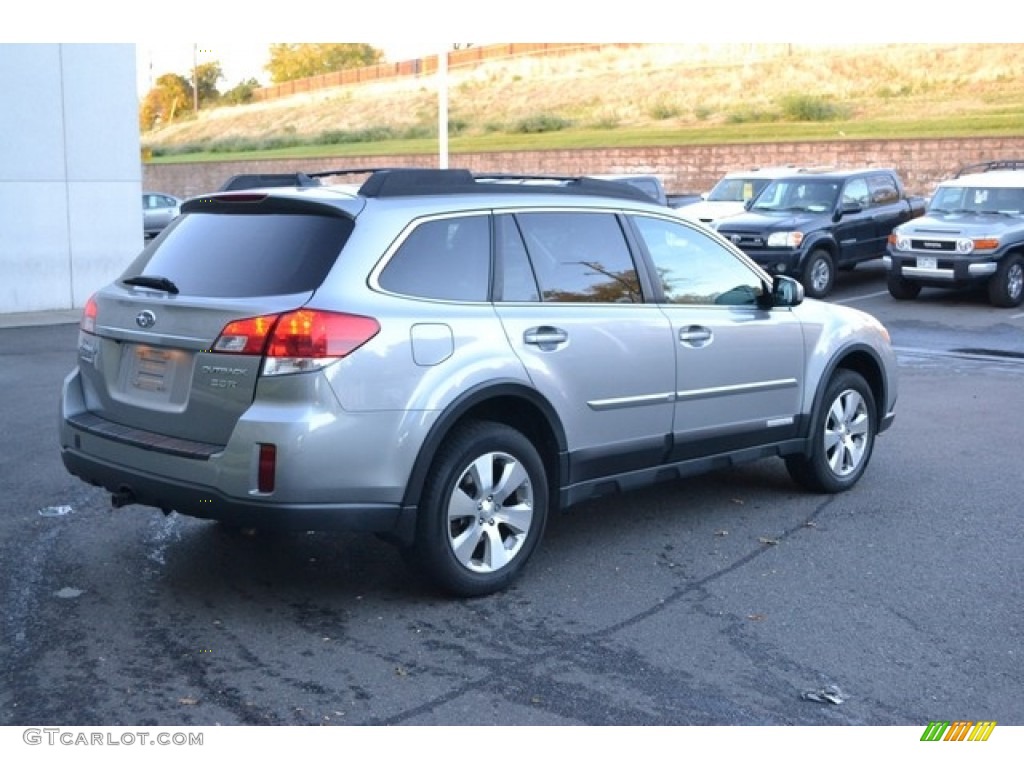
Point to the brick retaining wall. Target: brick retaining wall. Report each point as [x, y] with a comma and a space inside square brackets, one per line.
[684, 169]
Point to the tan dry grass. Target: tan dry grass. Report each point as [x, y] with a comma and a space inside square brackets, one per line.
[654, 84]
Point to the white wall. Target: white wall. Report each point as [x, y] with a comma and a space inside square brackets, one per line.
[70, 172]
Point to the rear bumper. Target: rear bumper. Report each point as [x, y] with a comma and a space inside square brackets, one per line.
[328, 475]
[196, 500]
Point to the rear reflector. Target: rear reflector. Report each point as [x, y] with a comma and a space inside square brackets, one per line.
[267, 468]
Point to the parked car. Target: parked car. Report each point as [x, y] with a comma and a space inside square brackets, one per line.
[647, 183]
[446, 359]
[158, 210]
[731, 193]
[971, 235]
[809, 224]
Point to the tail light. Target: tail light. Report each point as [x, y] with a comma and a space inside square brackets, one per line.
[88, 323]
[293, 342]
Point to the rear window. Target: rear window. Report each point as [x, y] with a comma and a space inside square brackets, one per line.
[206, 254]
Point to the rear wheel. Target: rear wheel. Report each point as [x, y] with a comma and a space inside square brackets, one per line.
[901, 288]
[483, 510]
[819, 274]
[1006, 286]
[842, 437]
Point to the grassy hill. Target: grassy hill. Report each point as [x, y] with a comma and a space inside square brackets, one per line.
[645, 95]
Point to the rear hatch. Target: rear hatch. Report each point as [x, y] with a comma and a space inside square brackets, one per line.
[146, 351]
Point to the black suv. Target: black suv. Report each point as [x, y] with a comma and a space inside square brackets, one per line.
[809, 223]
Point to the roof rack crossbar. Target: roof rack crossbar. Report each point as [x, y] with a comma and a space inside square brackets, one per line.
[991, 165]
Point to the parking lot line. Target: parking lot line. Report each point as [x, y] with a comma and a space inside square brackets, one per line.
[859, 298]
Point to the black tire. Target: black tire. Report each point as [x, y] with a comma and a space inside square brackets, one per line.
[494, 475]
[819, 274]
[1006, 286]
[842, 436]
[901, 288]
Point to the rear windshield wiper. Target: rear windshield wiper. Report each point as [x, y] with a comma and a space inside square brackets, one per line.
[160, 283]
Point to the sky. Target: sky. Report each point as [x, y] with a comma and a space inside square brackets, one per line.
[239, 60]
[406, 29]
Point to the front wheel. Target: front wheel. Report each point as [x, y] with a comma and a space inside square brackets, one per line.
[901, 288]
[1006, 286]
[819, 274]
[483, 510]
[842, 437]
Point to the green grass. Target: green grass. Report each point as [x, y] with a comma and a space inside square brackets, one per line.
[996, 123]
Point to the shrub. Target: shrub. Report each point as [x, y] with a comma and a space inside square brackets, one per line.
[664, 111]
[803, 107]
[751, 115]
[541, 124]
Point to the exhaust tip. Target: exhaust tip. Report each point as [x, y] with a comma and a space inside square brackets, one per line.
[122, 497]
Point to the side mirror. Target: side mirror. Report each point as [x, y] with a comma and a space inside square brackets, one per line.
[851, 206]
[786, 291]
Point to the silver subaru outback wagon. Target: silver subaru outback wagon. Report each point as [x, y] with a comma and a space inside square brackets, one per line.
[445, 359]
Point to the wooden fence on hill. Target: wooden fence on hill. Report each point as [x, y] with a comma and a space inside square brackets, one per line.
[422, 67]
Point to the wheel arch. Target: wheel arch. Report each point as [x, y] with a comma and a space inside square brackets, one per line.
[819, 241]
[510, 403]
[864, 360]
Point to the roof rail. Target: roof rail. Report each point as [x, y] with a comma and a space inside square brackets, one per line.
[402, 182]
[990, 165]
[405, 182]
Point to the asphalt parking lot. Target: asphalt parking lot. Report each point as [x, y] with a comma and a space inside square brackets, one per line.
[721, 600]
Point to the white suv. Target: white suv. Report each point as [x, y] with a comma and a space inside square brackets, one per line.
[730, 195]
[971, 235]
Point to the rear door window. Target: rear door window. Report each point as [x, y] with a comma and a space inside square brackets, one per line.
[224, 255]
[580, 257]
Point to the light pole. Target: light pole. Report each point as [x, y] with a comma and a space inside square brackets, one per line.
[442, 107]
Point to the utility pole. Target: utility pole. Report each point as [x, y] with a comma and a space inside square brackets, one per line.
[442, 107]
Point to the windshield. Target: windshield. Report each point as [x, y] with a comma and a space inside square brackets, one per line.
[736, 190]
[977, 200]
[815, 195]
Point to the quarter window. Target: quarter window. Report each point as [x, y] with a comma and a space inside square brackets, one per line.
[443, 259]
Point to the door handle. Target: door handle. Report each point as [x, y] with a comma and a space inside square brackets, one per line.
[696, 335]
[545, 337]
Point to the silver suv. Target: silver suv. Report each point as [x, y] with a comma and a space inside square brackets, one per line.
[445, 359]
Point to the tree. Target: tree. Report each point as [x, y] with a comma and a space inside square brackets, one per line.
[291, 61]
[207, 75]
[171, 96]
[241, 93]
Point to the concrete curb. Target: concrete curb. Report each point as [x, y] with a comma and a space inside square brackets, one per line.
[51, 317]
